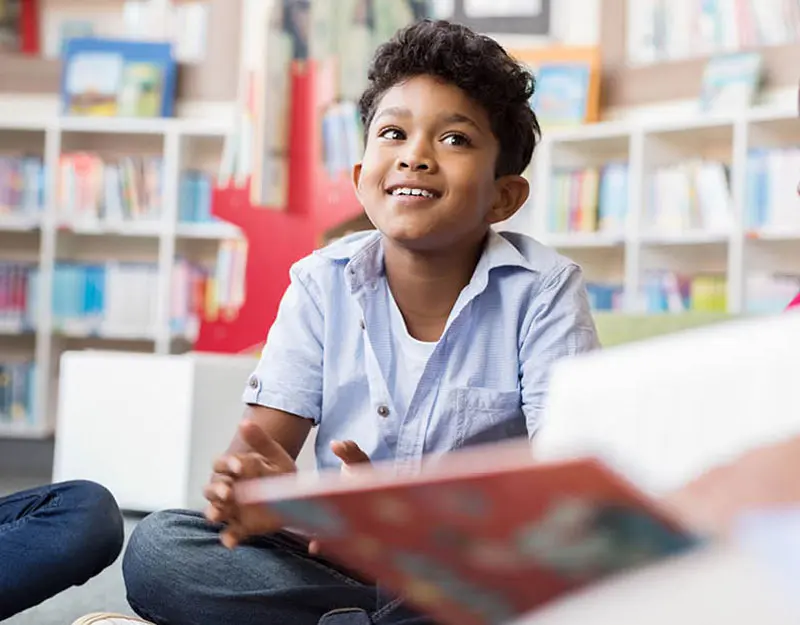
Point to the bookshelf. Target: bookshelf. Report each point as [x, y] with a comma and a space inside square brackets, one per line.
[52, 244]
[734, 236]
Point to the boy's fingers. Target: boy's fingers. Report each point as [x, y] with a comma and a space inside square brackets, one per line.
[219, 493]
[214, 514]
[231, 536]
[349, 452]
[314, 547]
[227, 466]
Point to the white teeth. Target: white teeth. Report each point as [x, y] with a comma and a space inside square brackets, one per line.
[410, 191]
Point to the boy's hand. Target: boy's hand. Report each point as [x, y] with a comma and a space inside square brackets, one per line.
[266, 458]
[350, 454]
[764, 478]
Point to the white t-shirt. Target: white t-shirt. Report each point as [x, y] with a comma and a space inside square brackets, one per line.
[411, 356]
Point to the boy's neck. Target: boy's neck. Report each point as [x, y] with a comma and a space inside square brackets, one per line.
[426, 285]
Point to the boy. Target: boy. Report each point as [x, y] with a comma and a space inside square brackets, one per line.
[428, 335]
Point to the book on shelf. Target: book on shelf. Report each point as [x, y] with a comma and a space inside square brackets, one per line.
[191, 298]
[118, 78]
[567, 83]
[342, 138]
[18, 296]
[730, 82]
[669, 291]
[605, 297]
[194, 201]
[106, 299]
[670, 30]
[19, 26]
[200, 294]
[17, 392]
[479, 536]
[771, 199]
[693, 196]
[229, 276]
[21, 185]
[592, 199]
[94, 189]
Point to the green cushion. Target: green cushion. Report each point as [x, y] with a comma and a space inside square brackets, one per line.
[619, 328]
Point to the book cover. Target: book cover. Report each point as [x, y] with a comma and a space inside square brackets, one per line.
[108, 78]
[567, 84]
[481, 536]
[730, 82]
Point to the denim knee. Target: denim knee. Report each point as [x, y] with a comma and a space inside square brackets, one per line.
[95, 526]
[147, 565]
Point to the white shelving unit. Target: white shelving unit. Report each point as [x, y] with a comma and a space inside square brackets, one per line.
[644, 145]
[47, 239]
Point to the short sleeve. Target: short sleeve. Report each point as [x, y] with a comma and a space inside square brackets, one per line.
[561, 326]
[289, 373]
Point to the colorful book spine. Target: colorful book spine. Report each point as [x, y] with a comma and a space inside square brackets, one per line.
[342, 138]
[92, 189]
[666, 291]
[605, 297]
[194, 201]
[771, 200]
[679, 29]
[21, 185]
[689, 197]
[17, 392]
[589, 200]
[199, 294]
[111, 299]
[18, 290]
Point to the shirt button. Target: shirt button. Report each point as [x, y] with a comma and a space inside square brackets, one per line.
[253, 381]
[383, 410]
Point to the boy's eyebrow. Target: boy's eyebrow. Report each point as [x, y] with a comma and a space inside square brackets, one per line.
[448, 118]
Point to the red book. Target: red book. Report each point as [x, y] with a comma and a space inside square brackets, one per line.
[482, 536]
[29, 27]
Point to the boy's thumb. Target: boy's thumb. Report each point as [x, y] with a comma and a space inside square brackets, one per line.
[349, 452]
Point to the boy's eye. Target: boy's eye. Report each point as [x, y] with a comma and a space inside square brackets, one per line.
[457, 140]
[392, 134]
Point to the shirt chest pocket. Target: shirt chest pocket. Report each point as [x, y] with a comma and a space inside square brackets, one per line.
[485, 415]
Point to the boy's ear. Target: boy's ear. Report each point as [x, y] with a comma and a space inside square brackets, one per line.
[512, 192]
[356, 176]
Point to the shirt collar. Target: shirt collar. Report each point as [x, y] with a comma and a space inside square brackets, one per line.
[363, 255]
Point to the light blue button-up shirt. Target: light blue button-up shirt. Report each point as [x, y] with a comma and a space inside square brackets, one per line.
[329, 354]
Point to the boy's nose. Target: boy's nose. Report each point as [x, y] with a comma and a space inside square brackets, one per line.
[415, 164]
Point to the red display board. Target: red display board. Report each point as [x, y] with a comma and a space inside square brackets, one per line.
[278, 238]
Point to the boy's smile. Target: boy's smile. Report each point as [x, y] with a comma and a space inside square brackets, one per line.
[427, 180]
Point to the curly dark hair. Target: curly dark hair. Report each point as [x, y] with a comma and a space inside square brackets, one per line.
[477, 65]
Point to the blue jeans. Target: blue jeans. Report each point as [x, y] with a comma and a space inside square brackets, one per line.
[178, 573]
[52, 538]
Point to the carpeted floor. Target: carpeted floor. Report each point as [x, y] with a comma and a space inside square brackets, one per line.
[104, 593]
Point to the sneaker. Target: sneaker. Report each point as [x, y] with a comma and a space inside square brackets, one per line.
[106, 618]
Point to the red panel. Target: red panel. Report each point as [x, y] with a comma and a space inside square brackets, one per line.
[277, 239]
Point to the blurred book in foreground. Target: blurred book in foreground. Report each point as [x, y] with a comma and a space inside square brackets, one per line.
[481, 536]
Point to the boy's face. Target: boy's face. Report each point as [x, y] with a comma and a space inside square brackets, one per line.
[427, 179]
